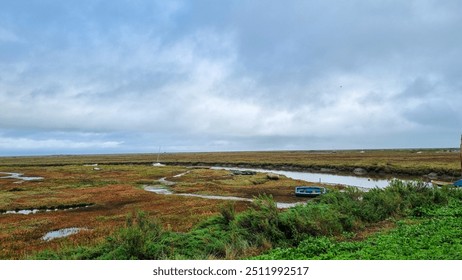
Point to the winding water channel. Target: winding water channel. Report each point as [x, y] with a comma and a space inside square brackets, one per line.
[164, 191]
[362, 182]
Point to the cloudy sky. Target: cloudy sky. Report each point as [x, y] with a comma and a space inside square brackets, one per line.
[117, 76]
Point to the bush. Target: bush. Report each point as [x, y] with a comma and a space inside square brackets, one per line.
[348, 204]
[228, 213]
[312, 219]
[135, 240]
[260, 224]
[377, 205]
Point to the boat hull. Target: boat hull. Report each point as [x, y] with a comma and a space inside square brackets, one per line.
[440, 183]
[309, 191]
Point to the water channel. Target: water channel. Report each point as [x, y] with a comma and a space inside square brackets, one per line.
[362, 182]
[162, 190]
[35, 211]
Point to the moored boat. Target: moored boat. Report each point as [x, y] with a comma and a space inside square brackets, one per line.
[458, 183]
[309, 191]
[440, 183]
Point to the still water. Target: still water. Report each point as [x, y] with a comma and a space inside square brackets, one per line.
[362, 182]
[19, 176]
[61, 233]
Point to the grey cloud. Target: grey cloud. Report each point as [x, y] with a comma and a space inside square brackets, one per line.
[437, 113]
[234, 75]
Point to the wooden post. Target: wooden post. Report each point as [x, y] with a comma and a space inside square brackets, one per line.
[461, 154]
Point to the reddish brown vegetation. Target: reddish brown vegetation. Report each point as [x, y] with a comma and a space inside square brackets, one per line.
[113, 193]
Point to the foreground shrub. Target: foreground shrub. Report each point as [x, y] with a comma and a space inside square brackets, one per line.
[310, 220]
[135, 240]
[260, 224]
[348, 204]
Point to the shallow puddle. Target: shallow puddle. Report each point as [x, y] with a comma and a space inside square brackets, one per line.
[157, 189]
[19, 176]
[61, 233]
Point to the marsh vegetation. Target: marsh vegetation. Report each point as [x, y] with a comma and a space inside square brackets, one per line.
[425, 225]
[125, 221]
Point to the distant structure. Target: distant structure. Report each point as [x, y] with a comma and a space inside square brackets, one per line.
[158, 163]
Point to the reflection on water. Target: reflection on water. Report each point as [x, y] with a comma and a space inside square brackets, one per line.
[322, 177]
[157, 189]
[12, 175]
[35, 211]
[363, 183]
[22, 212]
[61, 233]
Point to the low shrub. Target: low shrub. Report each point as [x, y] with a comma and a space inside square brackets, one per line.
[260, 224]
[312, 219]
[134, 241]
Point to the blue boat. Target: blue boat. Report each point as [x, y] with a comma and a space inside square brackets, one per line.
[309, 191]
[458, 183]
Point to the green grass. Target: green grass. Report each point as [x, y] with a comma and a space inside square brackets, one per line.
[434, 236]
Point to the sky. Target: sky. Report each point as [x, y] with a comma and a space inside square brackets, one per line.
[139, 76]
